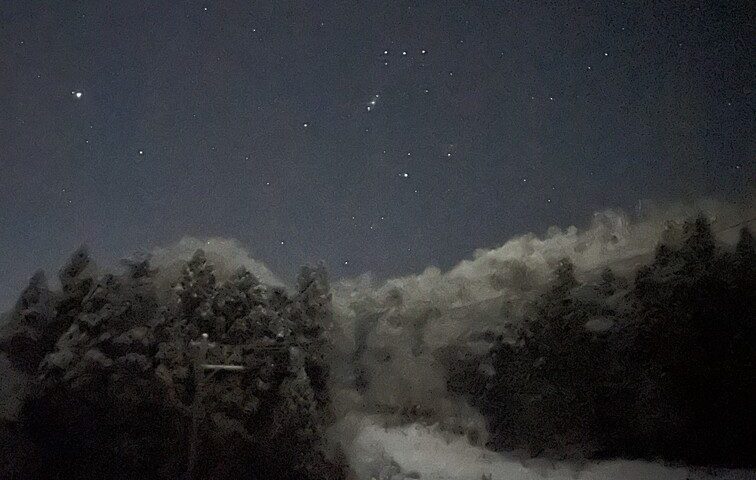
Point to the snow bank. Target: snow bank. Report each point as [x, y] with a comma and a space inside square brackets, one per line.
[415, 451]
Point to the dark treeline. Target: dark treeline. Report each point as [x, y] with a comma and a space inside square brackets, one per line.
[661, 366]
[119, 390]
[656, 366]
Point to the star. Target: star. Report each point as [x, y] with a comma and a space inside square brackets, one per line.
[76, 94]
[404, 53]
[305, 125]
[405, 175]
[423, 52]
[141, 152]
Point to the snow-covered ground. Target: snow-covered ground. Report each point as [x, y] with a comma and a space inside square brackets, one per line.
[421, 452]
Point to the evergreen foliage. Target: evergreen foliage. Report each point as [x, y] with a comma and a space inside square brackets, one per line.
[663, 367]
[122, 391]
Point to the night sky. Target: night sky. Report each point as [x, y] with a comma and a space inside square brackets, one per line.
[380, 138]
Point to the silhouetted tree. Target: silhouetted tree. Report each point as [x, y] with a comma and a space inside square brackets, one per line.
[122, 391]
[665, 368]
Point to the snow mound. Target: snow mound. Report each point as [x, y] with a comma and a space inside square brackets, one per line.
[416, 451]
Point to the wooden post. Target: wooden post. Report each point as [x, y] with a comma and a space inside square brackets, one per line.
[199, 359]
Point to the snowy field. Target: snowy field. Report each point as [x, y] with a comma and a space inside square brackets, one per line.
[420, 452]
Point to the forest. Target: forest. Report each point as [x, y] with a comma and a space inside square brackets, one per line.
[662, 366]
[131, 376]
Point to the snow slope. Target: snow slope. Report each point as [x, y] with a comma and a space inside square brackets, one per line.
[415, 450]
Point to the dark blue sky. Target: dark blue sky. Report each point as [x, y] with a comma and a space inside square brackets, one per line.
[516, 117]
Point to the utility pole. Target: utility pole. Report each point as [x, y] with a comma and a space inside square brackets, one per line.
[200, 366]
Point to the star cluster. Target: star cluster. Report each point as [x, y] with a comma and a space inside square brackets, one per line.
[376, 137]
